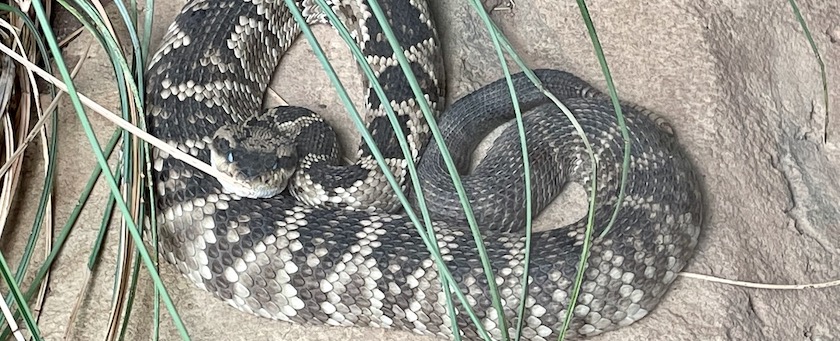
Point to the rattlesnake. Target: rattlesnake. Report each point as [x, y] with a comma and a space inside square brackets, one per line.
[338, 252]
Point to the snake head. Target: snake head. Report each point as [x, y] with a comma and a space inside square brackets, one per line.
[260, 158]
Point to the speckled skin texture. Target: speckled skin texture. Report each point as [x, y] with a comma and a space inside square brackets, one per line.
[282, 259]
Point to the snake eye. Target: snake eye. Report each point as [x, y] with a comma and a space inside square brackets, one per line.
[275, 165]
[230, 157]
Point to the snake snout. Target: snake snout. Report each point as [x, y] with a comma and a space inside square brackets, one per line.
[261, 163]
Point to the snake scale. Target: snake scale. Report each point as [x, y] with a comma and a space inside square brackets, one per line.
[337, 252]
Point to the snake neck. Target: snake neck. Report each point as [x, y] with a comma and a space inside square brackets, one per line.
[224, 65]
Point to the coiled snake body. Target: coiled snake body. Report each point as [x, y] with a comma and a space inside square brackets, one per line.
[325, 256]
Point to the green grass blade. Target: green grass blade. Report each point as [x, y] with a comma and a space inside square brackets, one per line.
[152, 216]
[588, 147]
[36, 33]
[590, 218]
[46, 192]
[129, 20]
[444, 272]
[144, 48]
[49, 178]
[112, 184]
[28, 319]
[412, 169]
[122, 70]
[450, 166]
[135, 272]
[624, 165]
[147, 28]
[99, 242]
[65, 231]
[526, 164]
[814, 48]
[625, 136]
[101, 27]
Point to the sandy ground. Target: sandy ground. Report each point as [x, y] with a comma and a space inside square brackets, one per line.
[736, 78]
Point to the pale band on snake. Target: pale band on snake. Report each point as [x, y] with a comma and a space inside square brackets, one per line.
[335, 250]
